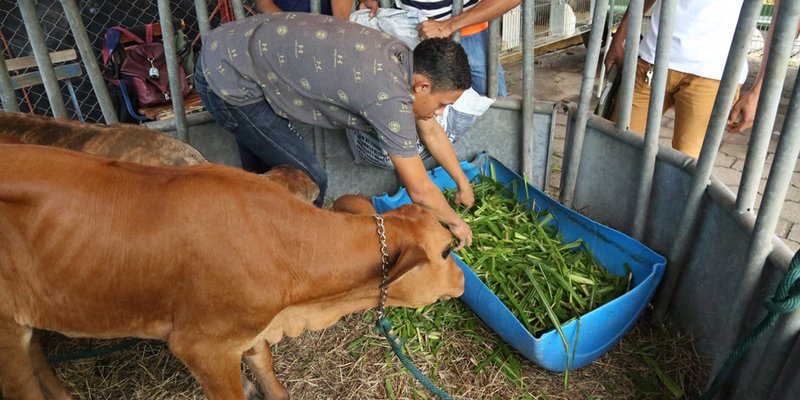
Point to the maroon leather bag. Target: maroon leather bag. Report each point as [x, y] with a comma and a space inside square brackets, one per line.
[145, 67]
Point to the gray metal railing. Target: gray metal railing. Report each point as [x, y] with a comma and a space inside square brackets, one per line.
[769, 366]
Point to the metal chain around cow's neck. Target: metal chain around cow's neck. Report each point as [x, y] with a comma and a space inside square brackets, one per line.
[386, 328]
[384, 264]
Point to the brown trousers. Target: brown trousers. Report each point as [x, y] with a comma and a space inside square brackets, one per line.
[693, 98]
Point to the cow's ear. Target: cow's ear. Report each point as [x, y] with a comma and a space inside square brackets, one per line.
[354, 204]
[408, 259]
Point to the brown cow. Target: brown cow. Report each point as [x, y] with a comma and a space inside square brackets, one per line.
[128, 142]
[209, 258]
[5, 139]
[125, 142]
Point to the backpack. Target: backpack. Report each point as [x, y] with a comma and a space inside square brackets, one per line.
[136, 67]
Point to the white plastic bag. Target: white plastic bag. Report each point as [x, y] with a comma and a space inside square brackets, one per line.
[398, 23]
[456, 120]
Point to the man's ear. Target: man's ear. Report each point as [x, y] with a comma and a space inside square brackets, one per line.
[421, 84]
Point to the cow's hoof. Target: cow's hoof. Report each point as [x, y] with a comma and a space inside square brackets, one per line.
[251, 391]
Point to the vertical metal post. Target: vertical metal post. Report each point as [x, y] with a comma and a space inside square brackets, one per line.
[780, 176]
[89, 61]
[705, 165]
[238, 9]
[587, 85]
[493, 63]
[608, 26]
[657, 93]
[528, 18]
[7, 94]
[319, 133]
[201, 8]
[316, 6]
[42, 55]
[774, 76]
[170, 52]
[458, 6]
[625, 91]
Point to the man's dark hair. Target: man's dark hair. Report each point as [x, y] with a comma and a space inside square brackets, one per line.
[444, 62]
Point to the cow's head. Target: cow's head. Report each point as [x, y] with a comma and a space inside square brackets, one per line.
[423, 271]
[295, 181]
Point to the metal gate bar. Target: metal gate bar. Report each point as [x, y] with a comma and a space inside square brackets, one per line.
[777, 184]
[89, 61]
[528, 16]
[666, 26]
[493, 65]
[730, 81]
[39, 46]
[625, 94]
[587, 85]
[774, 76]
[171, 54]
[7, 94]
[203, 24]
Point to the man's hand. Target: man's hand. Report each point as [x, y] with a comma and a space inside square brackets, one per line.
[434, 29]
[616, 52]
[465, 196]
[372, 5]
[463, 232]
[743, 112]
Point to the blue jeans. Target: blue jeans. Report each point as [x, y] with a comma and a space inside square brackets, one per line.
[265, 140]
[475, 46]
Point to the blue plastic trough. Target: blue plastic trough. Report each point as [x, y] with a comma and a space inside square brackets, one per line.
[594, 333]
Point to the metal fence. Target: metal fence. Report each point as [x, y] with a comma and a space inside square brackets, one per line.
[555, 20]
[759, 36]
[97, 16]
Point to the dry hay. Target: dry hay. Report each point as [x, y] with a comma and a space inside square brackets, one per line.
[351, 361]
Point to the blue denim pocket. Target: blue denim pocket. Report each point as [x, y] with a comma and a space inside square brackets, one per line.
[213, 103]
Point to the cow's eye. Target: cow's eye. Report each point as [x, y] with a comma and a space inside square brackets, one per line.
[446, 252]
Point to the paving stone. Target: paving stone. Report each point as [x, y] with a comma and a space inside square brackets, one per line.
[793, 192]
[724, 161]
[728, 176]
[791, 211]
[737, 138]
[738, 165]
[784, 227]
[734, 149]
[794, 233]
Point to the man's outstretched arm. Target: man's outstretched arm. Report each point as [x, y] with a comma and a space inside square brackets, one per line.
[426, 194]
[435, 140]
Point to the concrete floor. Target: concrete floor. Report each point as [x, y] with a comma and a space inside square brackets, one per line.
[557, 77]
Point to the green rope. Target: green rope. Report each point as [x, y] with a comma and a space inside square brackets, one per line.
[94, 353]
[786, 300]
[397, 345]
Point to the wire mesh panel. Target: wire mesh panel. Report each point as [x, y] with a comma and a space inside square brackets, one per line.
[759, 36]
[97, 16]
[555, 20]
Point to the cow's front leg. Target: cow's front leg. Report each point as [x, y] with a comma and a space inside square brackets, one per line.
[259, 359]
[17, 380]
[251, 391]
[44, 373]
[216, 368]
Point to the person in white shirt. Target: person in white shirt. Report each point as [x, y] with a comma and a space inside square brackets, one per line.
[472, 23]
[697, 59]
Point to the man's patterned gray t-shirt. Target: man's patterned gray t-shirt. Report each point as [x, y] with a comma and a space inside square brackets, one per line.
[319, 70]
